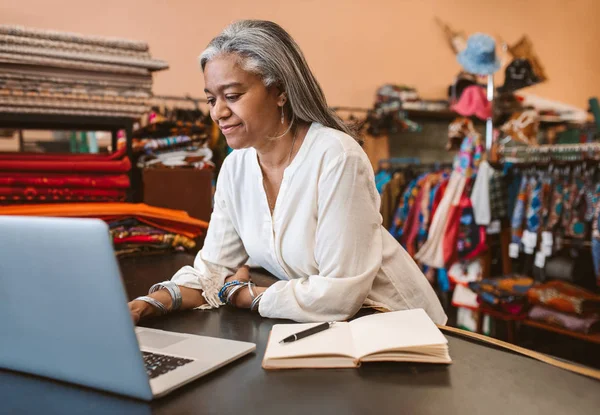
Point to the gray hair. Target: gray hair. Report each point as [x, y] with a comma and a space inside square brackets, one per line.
[267, 50]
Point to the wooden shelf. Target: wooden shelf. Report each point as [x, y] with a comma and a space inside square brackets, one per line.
[593, 338]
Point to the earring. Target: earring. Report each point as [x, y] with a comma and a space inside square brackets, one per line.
[282, 117]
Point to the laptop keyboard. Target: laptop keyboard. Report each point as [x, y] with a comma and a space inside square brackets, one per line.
[159, 364]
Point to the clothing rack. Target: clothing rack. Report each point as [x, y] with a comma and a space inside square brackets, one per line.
[553, 152]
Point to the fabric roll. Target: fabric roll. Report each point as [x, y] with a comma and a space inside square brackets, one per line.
[40, 194]
[113, 166]
[176, 221]
[19, 179]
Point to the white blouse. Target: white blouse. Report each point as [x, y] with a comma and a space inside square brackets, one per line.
[325, 241]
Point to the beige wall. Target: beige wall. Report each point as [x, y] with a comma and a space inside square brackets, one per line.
[353, 46]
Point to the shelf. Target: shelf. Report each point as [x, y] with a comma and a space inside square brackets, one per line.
[82, 123]
[593, 338]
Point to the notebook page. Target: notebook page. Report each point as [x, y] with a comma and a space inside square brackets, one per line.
[335, 341]
[394, 330]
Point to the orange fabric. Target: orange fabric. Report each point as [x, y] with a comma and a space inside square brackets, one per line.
[176, 221]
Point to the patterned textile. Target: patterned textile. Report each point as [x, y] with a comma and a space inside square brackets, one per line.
[572, 190]
[111, 166]
[22, 194]
[165, 239]
[468, 158]
[546, 198]
[534, 206]
[583, 212]
[557, 206]
[573, 323]
[507, 294]
[498, 196]
[171, 128]
[565, 297]
[518, 217]
[404, 206]
[66, 180]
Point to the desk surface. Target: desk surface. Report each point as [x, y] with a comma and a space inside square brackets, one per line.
[481, 380]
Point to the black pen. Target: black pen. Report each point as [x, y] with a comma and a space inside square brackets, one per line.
[305, 333]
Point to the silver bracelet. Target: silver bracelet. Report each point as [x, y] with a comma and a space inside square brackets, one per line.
[256, 301]
[250, 285]
[233, 290]
[173, 290]
[157, 304]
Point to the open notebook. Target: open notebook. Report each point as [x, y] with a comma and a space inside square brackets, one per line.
[399, 336]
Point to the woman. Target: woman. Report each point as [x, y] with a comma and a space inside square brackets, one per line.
[297, 196]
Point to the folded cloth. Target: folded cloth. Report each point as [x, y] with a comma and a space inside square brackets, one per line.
[565, 297]
[24, 156]
[12, 179]
[62, 194]
[508, 294]
[171, 128]
[175, 221]
[109, 166]
[567, 321]
[171, 239]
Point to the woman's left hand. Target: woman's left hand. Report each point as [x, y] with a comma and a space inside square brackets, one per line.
[243, 299]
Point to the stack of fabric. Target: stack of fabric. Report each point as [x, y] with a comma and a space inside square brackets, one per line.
[51, 178]
[171, 142]
[135, 228]
[565, 305]
[505, 294]
[49, 72]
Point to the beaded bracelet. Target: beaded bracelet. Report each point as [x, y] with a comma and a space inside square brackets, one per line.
[173, 290]
[157, 304]
[223, 290]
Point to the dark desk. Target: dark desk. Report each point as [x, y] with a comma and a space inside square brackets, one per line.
[481, 379]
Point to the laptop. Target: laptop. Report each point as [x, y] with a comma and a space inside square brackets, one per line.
[64, 315]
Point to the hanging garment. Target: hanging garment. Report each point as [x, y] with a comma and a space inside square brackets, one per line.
[402, 211]
[583, 213]
[480, 195]
[431, 253]
[465, 166]
[518, 216]
[498, 196]
[534, 205]
[557, 205]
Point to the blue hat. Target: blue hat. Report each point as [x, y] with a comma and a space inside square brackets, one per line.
[480, 55]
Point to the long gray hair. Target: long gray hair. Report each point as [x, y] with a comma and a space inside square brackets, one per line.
[267, 50]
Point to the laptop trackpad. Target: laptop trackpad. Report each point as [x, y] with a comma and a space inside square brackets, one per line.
[157, 340]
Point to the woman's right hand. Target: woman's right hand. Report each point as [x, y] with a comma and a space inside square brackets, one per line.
[137, 309]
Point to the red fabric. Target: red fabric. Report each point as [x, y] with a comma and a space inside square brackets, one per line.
[117, 155]
[451, 232]
[110, 166]
[481, 246]
[64, 180]
[411, 226]
[59, 194]
[439, 194]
